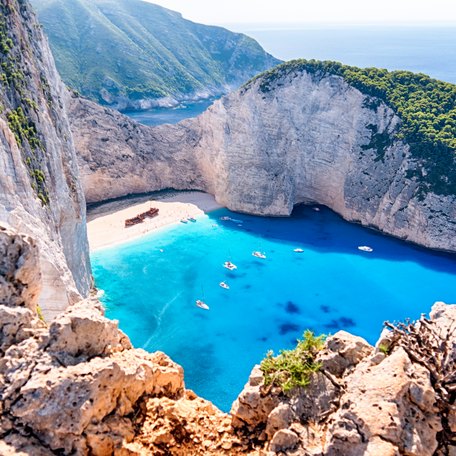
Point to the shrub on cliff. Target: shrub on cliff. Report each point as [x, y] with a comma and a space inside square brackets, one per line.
[293, 368]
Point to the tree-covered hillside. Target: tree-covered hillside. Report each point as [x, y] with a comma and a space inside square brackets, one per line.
[109, 50]
[426, 106]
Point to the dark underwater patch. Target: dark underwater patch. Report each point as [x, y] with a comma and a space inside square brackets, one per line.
[340, 323]
[292, 308]
[286, 328]
[325, 309]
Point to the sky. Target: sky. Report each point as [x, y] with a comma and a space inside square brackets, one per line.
[317, 11]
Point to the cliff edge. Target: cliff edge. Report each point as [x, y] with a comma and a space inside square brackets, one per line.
[40, 191]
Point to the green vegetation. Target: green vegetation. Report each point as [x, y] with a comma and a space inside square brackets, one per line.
[293, 368]
[112, 48]
[24, 130]
[385, 349]
[426, 106]
[21, 107]
[39, 312]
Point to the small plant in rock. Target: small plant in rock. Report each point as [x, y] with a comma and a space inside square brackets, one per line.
[385, 349]
[293, 368]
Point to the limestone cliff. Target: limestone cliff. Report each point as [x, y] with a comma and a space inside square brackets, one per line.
[40, 193]
[305, 139]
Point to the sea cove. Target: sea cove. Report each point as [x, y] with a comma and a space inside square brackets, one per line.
[151, 285]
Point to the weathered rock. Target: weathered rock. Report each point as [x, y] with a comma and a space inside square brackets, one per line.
[381, 401]
[20, 278]
[343, 351]
[40, 192]
[284, 441]
[252, 408]
[186, 426]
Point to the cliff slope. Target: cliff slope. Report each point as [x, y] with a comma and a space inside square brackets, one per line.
[293, 135]
[134, 54]
[40, 192]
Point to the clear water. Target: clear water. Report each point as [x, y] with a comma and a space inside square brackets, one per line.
[330, 286]
[158, 116]
[427, 49]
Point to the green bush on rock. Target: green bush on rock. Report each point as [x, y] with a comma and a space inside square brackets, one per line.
[293, 368]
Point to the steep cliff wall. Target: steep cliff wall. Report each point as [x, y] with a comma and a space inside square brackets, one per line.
[40, 193]
[304, 139]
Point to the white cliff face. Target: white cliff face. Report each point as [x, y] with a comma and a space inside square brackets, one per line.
[58, 225]
[304, 140]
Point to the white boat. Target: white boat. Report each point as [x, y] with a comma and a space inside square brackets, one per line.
[225, 218]
[229, 265]
[224, 285]
[365, 248]
[184, 220]
[259, 255]
[298, 250]
[192, 219]
[316, 209]
[202, 305]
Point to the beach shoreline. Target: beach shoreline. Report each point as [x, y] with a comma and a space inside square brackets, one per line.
[106, 222]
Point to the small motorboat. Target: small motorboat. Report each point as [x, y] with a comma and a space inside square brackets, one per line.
[192, 219]
[184, 220]
[365, 248]
[259, 255]
[229, 265]
[202, 305]
[298, 250]
[224, 285]
[225, 218]
[316, 209]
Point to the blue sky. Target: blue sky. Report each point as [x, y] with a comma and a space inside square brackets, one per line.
[316, 11]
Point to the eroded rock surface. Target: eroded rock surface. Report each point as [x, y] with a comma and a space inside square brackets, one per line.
[40, 191]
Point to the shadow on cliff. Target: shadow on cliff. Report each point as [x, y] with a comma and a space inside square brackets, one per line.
[319, 229]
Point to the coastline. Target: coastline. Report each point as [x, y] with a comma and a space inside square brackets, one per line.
[106, 222]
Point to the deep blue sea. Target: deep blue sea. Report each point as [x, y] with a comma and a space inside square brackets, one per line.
[426, 49]
[151, 286]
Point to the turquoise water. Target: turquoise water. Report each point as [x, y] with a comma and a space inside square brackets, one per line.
[151, 286]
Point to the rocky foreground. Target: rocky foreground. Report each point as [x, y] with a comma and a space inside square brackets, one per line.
[77, 386]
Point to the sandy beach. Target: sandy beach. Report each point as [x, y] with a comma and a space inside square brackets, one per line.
[106, 223]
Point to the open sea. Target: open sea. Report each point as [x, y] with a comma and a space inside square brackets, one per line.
[151, 286]
[426, 49]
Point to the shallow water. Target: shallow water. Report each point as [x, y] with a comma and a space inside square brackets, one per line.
[330, 286]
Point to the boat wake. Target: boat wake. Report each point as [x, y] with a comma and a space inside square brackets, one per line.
[159, 319]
